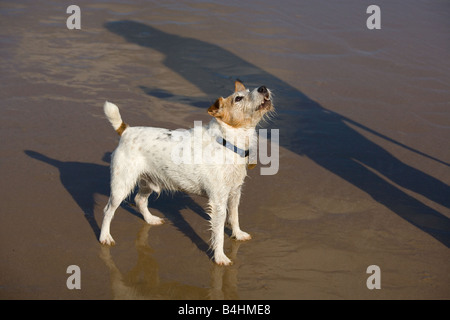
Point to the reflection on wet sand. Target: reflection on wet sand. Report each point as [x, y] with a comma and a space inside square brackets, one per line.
[143, 280]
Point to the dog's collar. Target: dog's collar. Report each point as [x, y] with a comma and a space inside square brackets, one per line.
[243, 153]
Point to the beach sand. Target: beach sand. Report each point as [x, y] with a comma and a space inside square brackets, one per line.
[363, 177]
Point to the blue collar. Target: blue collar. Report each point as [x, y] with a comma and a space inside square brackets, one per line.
[243, 153]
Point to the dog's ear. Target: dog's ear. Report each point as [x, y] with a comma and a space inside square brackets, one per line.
[216, 109]
[238, 86]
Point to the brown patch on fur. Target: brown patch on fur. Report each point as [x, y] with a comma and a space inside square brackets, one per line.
[251, 165]
[223, 110]
[122, 128]
[214, 110]
[238, 86]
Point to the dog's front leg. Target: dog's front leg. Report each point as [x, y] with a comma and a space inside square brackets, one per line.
[218, 217]
[233, 216]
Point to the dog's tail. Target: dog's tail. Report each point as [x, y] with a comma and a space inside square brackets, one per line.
[113, 115]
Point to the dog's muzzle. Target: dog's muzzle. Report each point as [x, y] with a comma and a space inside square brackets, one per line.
[267, 102]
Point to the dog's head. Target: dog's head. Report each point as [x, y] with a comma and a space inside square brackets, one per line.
[243, 108]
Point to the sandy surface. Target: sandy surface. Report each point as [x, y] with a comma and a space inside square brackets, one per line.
[364, 126]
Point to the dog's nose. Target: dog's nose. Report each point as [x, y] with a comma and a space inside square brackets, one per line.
[262, 89]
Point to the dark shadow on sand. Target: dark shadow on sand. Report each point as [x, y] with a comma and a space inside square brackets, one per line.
[85, 180]
[306, 127]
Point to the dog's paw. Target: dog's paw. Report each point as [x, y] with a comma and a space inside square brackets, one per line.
[242, 236]
[222, 260]
[153, 220]
[107, 240]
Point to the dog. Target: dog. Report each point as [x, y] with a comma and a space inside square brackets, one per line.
[145, 157]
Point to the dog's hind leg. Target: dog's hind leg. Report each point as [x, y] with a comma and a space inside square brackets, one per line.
[122, 182]
[108, 214]
[141, 200]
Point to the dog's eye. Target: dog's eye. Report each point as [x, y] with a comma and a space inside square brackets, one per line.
[238, 98]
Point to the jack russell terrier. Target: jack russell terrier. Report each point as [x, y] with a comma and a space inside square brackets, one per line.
[145, 156]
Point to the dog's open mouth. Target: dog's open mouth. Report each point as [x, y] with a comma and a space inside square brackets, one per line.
[265, 104]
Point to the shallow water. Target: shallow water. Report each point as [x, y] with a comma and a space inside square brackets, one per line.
[364, 124]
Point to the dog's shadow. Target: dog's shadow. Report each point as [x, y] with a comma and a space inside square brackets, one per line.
[85, 180]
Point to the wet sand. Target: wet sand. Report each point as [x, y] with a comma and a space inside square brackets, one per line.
[364, 124]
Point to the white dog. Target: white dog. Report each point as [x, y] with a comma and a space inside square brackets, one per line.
[145, 156]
